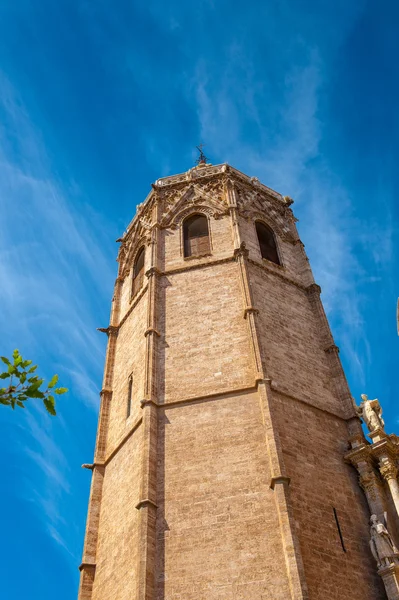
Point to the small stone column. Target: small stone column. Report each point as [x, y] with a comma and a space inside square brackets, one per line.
[390, 577]
[385, 451]
[389, 472]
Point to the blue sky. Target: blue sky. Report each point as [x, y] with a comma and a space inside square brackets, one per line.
[97, 100]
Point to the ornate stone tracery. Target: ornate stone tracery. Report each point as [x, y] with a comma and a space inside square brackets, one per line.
[253, 204]
[210, 196]
[205, 189]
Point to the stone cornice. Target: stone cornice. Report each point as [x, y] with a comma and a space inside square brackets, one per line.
[385, 448]
[198, 265]
[361, 453]
[281, 392]
[197, 174]
[277, 270]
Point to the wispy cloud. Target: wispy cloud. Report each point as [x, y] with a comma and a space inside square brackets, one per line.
[290, 159]
[56, 268]
[52, 251]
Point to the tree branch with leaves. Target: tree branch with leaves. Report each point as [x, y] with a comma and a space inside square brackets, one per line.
[24, 385]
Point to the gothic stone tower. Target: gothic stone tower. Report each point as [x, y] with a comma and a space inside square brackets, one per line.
[225, 413]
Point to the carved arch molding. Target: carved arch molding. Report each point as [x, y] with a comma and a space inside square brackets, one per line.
[254, 206]
[127, 255]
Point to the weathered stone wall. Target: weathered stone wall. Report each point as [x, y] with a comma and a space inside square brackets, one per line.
[312, 439]
[313, 443]
[118, 543]
[126, 299]
[293, 258]
[218, 534]
[129, 360]
[291, 341]
[206, 347]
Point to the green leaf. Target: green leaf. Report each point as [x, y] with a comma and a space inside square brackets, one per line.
[32, 369]
[18, 361]
[5, 360]
[5, 401]
[11, 369]
[61, 390]
[4, 375]
[21, 404]
[53, 381]
[23, 378]
[26, 363]
[15, 353]
[36, 394]
[33, 388]
[49, 403]
[35, 385]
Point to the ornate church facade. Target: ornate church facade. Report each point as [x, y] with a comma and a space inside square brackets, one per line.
[229, 449]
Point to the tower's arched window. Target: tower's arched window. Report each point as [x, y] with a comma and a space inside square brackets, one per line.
[129, 396]
[138, 272]
[267, 242]
[196, 236]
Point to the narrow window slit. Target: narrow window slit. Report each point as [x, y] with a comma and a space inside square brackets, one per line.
[129, 397]
[339, 530]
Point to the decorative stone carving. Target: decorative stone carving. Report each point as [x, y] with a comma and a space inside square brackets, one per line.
[371, 413]
[205, 189]
[369, 483]
[288, 200]
[191, 174]
[254, 203]
[146, 223]
[388, 470]
[381, 543]
[208, 197]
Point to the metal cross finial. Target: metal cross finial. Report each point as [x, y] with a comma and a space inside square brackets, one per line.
[201, 160]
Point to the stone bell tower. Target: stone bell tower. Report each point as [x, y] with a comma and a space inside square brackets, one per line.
[219, 468]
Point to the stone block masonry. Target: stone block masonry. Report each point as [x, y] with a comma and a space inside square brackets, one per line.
[222, 481]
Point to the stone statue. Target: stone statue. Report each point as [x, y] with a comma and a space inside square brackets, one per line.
[381, 544]
[371, 413]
